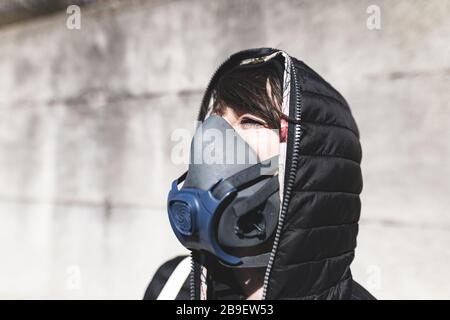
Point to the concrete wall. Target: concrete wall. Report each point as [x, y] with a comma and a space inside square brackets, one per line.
[86, 117]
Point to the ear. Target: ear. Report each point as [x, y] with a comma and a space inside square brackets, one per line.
[283, 130]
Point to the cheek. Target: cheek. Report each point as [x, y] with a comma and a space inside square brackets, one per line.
[265, 142]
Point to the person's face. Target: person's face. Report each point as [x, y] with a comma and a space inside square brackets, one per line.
[264, 141]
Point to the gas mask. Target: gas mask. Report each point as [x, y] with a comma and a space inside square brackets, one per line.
[228, 200]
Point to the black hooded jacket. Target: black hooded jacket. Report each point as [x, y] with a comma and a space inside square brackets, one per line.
[316, 236]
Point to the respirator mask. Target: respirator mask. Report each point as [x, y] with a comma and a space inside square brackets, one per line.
[227, 203]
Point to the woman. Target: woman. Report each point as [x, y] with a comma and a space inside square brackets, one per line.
[283, 226]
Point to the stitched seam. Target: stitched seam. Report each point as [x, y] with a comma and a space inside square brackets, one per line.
[312, 76]
[328, 156]
[323, 227]
[315, 77]
[339, 99]
[328, 86]
[345, 253]
[323, 95]
[331, 192]
[323, 291]
[330, 125]
[328, 289]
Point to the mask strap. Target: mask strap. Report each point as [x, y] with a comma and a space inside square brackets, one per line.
[241, 179]
[258, 261]
[243, 207]
[182, 177]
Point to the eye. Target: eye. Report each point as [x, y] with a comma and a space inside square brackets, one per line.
[250, 122]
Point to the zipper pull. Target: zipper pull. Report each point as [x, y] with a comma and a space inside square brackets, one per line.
[259, 59]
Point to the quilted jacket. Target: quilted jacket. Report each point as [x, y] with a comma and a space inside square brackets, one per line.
[316, 235]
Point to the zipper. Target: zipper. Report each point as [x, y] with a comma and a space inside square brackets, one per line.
[291, 178]
[192, 278]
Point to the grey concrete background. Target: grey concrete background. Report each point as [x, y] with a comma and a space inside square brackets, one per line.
[86, 117]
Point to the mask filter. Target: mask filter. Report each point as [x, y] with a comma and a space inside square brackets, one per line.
[229, 200]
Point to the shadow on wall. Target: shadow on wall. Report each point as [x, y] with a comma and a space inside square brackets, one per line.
[12, 11]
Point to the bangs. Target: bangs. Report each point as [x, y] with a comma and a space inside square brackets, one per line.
[257, 91]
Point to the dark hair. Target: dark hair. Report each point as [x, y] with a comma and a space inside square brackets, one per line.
[245, 90]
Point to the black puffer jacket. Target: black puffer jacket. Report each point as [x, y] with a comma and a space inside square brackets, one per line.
[320, 207]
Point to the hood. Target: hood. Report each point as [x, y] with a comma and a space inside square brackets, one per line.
[321, 178]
